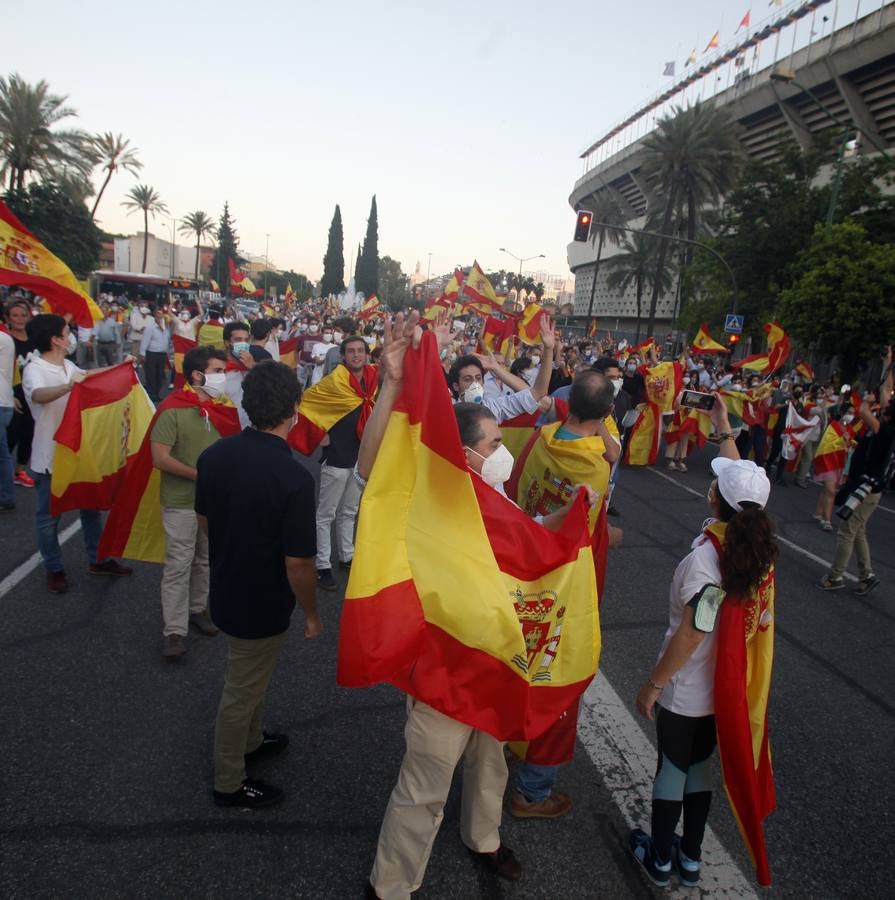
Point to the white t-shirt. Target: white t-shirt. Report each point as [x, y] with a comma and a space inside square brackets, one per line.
[40, 374]
[7, 371]
[691, 692]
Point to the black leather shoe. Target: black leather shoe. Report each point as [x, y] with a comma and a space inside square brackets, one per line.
[252, 795]
[502, 862]
[271, 745]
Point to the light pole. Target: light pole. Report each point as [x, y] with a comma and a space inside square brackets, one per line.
[788, 76]
[266, 262]
[520, 259]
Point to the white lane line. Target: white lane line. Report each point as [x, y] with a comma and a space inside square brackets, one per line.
[807, 553]
[891, 512]
[26, 568]
[626, 761]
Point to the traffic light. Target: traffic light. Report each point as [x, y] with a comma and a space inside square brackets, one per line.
[582, 226]
[732, 340]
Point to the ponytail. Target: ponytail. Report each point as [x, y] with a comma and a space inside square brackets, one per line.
[749, 548]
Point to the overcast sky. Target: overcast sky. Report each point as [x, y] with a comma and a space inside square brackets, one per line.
[466, 119]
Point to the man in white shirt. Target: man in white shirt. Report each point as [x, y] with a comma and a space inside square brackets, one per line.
[7, 410]
[47, 381]
[139, 318]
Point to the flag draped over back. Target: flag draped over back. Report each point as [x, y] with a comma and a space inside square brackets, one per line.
[703, 342]
[104, 423]
[330, 400]
[26, 262]
[742, 683]
[134, 527]
[182, 346]
[456, 596]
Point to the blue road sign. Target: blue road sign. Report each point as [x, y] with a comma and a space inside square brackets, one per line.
[733, 324]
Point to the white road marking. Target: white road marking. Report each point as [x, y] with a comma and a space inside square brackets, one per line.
[786, 543]
[26, 568]
[626, 761]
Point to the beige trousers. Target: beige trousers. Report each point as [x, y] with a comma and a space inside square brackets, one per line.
[435, 744]
[238, 729]
[852, 535]
[185, 579]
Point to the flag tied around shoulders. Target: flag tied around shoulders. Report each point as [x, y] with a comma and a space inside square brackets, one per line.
[329, 401]
[663, 383]
[105, 420]
[134, 526]
[182, 346]
[745, 658]
[777, 352]
[456, 596]
[832, 449]
[704, 343]
[27, 263]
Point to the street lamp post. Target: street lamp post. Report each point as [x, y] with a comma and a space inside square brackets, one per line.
[520, 259]
[266, 262]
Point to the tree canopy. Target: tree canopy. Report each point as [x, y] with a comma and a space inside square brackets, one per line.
[333, 280]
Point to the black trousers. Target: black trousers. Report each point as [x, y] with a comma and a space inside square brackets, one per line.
[154, 373]
[20, 431]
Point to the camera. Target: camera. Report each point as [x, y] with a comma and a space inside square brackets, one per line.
[855, 498]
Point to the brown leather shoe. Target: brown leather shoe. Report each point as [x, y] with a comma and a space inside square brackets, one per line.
[57, 583]
[110, 567]
[501, 861]
[202, 623]
[552, 807]
[175, 646]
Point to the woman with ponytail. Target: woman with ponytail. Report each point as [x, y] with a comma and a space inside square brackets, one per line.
[710, 685]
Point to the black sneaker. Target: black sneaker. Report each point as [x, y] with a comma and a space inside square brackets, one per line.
[645, 853]
[252, 795]
[325, 579]
[501, 861]
[687, 869]
[866, 585]
[831, 584]
[345, 566]
[271, 745]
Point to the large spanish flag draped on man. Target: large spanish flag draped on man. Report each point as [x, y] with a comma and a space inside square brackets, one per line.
[104, 423]
[663, 383]
[330, 400]
[134, 526]
[26, 262]
[742, 684]
[456, 596]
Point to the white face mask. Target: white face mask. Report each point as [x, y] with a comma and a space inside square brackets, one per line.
[497, 467]
[536, 360]
[337, 337]
[686, 381]
[302, 327]
[847, 419]
[144, 310]
[214, 383]
[184, 317]
[72, 344]
[616, 385]
[327, 337]
[474, 393]
[630, 367]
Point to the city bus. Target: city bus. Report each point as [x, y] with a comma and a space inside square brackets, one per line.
[154, 289]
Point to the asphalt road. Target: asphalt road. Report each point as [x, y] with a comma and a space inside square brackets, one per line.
[106, 782]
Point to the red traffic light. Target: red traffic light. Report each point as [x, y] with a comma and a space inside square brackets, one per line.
[582, 226]
[733, 339]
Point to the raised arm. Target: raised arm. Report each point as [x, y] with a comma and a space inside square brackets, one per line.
[548, 338]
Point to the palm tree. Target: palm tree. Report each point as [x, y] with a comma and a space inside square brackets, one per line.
[146, 198]
[28, 143]
[691, 160]
[199, 224]
[114, 154]
[634, 265]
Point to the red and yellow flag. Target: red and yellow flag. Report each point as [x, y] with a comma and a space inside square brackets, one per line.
[592, 328]
[805, 370]
[642, 448]
[456, 596]
[181, 346]
[832, 449]
[480, 292]
[435, 306]
[214, 285]
[329, 401]
[497, 335]
[289, 351]
[289, 296]
[703, 342]
[134, 526]
[529, 327]
[518, 430]
[778, 350]
[690, 425]
[738, 402]
[104, 423]
[452, 288]
[26, 262]
[742, 684]
[713, 42]
[663, 383]
[370, 308]
[644, 348]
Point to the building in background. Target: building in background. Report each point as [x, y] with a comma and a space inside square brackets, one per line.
[163, 258]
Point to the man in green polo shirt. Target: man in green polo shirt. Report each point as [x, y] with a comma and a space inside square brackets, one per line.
[178, 437]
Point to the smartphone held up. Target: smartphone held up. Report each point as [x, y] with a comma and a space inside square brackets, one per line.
[697, 400]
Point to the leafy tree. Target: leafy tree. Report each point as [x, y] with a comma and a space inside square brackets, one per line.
[227, 249]
[333, 281]
[62, 224]
[690, 161]
[147, 199]
[367, 276]
[113, 153]
[199, 224]
[632, 266]
[841, 300]
[28, 142]
[392, 281]
[301, 284]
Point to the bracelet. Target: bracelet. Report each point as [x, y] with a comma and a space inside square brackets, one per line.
[725, 436]
[654, 686]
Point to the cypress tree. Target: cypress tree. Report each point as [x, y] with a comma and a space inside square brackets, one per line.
[356, 266]
[367, 278]
[227, 248]
[333, 281]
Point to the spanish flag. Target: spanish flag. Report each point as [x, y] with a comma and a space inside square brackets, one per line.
[105, 421]
[805, 370]
[832, 449]
[289, 351]
[214, 285]
[289, 296]
[480, 291]
[529, 327]
[703, 342]
[642, 448]
[435, 306]
[689, 425]
[738, 401]
[369, 309]
[742, 684]
[26, 262]
[329, 401]
[643, 348]
[592, 328]
[777, 352]
[181, 346]
[713, 42]
[455, 596]
[496, 333]
[134, 526]
[518, 430]
[452, 288]
[663, 383]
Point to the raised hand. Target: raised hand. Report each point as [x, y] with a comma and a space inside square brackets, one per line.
[548, 333]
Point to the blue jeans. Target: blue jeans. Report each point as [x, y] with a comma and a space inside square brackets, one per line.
[535, 782]
[7, 492]
[48, 527]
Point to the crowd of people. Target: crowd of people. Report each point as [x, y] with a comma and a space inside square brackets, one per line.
[240, 408]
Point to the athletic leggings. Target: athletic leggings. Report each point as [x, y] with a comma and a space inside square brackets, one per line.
[683, 781]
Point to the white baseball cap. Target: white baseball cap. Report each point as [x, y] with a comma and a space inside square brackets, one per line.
[741, 481]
